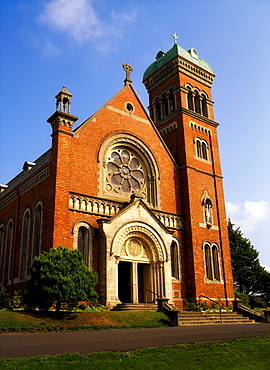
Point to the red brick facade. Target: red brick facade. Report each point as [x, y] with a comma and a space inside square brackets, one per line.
[141, 199]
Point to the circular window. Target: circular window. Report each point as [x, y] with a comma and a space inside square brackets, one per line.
[129, 107]
[125, 171]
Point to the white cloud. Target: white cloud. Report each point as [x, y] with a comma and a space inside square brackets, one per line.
[232, 209]
[79, 20]
[248, 215]
[267, 268]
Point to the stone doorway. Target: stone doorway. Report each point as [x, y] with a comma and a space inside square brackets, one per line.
[133, 280]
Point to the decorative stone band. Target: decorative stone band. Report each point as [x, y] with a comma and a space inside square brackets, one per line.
[34, 181]
[106, 208]
[26, 186]
[181, 65]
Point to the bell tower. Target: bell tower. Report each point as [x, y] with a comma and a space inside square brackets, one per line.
[180, 102]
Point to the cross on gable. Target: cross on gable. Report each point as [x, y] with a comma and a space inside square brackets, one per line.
[127, 67]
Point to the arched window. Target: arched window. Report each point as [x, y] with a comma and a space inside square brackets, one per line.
[208, 262]
[83, 242]
[190, 100]
[175, 265]
[171, 100]
[37, 230]
[8, 252]
[204, 150]
[199, 148]
[216, 262]
[204, 106]
[24, 244]
[211, 256]
[1, 240]
[83, 235]
[165, 105]
[158, 109]
[197, 103]
[127, 167]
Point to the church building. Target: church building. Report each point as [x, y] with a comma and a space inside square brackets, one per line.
[139, 194]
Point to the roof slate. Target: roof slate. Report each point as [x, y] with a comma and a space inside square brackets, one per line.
[164, 57]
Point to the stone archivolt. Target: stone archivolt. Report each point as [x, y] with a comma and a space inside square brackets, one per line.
[145, 240]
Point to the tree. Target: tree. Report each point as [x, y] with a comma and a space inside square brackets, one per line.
[59, 276]
[249, 275]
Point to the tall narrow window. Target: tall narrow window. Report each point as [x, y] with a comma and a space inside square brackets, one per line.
[190, 100]
[211, 256]
[24, 245]
[215, 262]
[175, 261]
[204, 150]
[208, 262]
[171, 100]
[37, 230]
[165, 104]
[83, 243]
[158, 109]
[1, 241]
[204, 106]
[197, 103]
[83, 235]
[199, 148]
[8, 252]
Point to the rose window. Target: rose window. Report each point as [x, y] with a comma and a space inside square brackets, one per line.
[125, 171]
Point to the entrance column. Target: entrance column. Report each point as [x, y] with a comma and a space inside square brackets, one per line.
[135, 298]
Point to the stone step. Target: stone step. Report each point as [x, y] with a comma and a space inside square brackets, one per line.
[135, 307]
[212, 318]
[214, 322]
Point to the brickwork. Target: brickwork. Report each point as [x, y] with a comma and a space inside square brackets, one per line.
[176, 182]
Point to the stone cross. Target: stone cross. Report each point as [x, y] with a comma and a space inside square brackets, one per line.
[127, 67]
[175, 37]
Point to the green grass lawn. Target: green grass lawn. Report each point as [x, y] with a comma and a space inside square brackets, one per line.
[241, 354]
[20, 321]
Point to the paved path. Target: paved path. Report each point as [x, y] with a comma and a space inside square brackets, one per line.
[35, 344]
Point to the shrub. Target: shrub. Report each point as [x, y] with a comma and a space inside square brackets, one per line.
[59, 277]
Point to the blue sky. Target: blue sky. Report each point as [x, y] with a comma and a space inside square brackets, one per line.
[82, 44]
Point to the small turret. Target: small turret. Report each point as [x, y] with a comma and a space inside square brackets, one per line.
[62, 117]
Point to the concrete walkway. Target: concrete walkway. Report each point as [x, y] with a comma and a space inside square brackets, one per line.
[25, 345]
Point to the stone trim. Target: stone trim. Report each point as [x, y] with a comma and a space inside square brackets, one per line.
[93, 205]
[182, 65]
[41, 176]
[106, 208]
[201, 171]
[190, 113]
[128, 114]
[200, 128]
[29, 184]
[9, 199]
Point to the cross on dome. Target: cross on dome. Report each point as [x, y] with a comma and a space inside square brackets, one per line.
[175, 37]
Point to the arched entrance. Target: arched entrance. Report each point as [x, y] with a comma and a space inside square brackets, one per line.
[134, 282]
[140, 258]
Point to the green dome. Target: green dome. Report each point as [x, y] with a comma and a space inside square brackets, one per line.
[162, 58]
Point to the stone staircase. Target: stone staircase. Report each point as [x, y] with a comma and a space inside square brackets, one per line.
[135, 307]
[211, 318]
